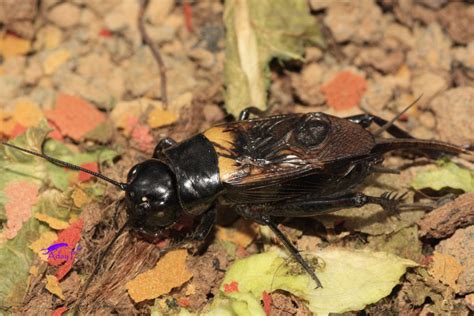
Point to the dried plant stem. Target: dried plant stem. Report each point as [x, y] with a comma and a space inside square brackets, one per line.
[154, 49]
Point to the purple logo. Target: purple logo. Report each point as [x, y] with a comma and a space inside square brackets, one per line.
[61, 251]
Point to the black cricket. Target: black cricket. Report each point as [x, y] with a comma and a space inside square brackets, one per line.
[292, 165]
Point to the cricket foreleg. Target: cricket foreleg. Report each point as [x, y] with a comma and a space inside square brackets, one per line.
[206, 222]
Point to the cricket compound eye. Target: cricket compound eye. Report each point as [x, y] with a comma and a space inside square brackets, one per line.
[151, 194]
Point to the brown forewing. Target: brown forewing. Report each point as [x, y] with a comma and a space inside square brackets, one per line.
[279, 149]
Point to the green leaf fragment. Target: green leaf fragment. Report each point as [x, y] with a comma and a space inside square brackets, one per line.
[57, 175]
[257, 31]
[351, 280]
[446, 175]
[15, 261]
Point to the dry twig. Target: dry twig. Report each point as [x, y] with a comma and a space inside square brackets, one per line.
[154, 49]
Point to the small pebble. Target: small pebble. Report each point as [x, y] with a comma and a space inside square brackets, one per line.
[65, 15]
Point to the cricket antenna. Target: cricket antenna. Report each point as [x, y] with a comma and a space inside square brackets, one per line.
[57, 162]
[390, 123]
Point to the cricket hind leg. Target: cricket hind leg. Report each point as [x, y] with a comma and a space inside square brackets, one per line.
[245, 211]
[245, 113]
[365, 120]
[311, 206]
[263, 213]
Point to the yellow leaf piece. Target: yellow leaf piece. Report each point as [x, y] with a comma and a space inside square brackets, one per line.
[52, 285]
[126, 110]
[11, 45]
[241, 233]
[43, 242]
[48, 38]
[55, 60]
[80, 198]
[54, 223]
[170, 272]
[159, 117]
[34, 271]
[6, 124]
[74, 217]
[27, 113]
[446, 269]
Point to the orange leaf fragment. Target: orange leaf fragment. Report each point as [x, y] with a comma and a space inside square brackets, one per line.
[21, 196]
[170, 272]
[141, 134]
[64, 269]
[105, 32]
[59, 311]
[92, 166]
[267, 303]
[445, 268]
[231, 287]
[71, 237]
[55, 133]
[345, 90]
[74, 116]
[17, 130]
[184, 302]
[52, 285]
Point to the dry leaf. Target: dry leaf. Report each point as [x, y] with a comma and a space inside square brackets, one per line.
[83, 176]
[11, 45]
[54, 223]
[125, 110]
[141, 134]
[74, 116]
[241, 233]
[27, 113]
[59, 311]
[54, 60]
[21, 196]
[71, 237]
[159, 117]
[345, 90]
[52, 285]
[80, 198]
[351, 280]
[43, 242]
[170, 272]
[445, 268]
[34, 271]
